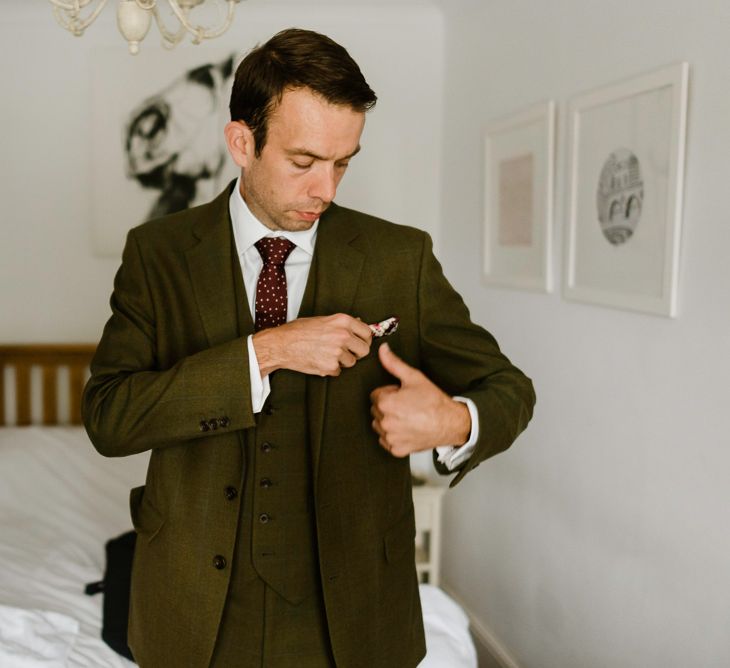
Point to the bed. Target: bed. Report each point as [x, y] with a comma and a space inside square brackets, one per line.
[60, 502]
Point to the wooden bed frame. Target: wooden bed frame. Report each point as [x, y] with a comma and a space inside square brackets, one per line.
[49, 358]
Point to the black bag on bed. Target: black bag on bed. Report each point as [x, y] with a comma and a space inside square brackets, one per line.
[115, 586]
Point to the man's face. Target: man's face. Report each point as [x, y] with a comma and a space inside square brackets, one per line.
[308, 146]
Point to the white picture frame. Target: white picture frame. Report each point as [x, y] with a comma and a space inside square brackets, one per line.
[626, 173]
[518, 199]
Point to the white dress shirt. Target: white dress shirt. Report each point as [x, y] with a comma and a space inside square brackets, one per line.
[247, 230]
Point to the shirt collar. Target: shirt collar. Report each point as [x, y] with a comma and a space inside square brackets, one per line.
[247, 229]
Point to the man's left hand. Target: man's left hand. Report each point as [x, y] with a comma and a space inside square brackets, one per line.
[415, 415]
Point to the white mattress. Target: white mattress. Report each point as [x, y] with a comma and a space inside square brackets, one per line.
[59, 502]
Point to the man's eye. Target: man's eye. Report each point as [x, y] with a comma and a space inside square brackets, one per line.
[301, 165]
[342, 165]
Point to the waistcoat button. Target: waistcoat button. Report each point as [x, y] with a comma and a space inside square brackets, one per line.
[266, 446]
[264, 518]
[265, 482]
[219, 562]
[269, 410]
[231, 493]
[204, 425]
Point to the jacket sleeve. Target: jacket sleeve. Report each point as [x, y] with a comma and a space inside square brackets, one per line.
[464, 359]
[130, 405]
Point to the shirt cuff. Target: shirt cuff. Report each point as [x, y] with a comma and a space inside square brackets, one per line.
[451, 456]
[260, 387]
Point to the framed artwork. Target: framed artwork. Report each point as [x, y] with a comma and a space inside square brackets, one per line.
[157, 137]
[627, 144]
[518, 199]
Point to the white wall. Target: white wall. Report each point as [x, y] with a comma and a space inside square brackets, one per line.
[601, 539]
[52, 288]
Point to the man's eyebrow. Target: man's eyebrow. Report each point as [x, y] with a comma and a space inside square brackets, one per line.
[310, 154]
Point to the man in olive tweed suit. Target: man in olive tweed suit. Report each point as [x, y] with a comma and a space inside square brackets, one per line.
[276, 526]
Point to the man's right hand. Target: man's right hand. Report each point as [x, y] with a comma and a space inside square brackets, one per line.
[320, 346]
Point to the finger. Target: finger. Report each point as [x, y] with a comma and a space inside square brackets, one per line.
[346, 359]
[358, 347]
[362, 331]
[384, 443]
[376, 412]
[399, 452]
[334, 371]
[380, 392]
[375, 424]
[395, 366]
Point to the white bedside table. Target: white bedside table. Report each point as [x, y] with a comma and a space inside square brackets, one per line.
[427, 503]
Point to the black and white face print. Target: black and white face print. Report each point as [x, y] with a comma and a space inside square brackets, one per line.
[173, 139]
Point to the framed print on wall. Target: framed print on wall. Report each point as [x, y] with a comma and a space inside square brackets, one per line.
[518, 199]
[157, 141]
[627, 144]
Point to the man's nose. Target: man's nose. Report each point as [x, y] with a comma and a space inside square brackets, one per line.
[324, 184]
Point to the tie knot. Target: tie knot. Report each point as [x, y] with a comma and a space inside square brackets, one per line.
[274, 250]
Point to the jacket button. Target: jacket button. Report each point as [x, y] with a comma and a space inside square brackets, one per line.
[231, 493]
[264, 518]
[265, 482]
[213, 424]
[266, 446]
[204, 425]
[219, 562]
[224, 421]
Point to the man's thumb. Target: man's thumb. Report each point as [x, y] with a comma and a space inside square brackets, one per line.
[395, 366]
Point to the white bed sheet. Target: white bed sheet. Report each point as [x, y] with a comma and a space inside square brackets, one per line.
[59, 503]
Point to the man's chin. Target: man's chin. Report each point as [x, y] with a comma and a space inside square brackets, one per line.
[290, 225]
[301, 227]
[302, 220]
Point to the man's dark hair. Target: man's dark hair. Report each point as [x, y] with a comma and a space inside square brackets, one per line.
[292, 59]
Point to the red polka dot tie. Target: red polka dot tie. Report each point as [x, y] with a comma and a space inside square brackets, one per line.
[271, 296]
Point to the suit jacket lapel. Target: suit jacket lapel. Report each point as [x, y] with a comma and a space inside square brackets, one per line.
[211, 271]
[338, 261]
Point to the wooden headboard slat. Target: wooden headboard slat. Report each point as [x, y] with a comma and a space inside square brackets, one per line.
[50, 358]
[50, 394]
[22, 393]
[76, 385]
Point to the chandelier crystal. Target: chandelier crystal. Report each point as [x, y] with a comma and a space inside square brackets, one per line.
[134, 18]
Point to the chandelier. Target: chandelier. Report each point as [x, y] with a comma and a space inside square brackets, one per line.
[134, 18]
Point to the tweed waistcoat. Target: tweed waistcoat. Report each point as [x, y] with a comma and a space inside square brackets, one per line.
[283, 544]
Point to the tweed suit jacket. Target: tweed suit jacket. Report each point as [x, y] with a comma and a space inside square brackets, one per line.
[171, 357]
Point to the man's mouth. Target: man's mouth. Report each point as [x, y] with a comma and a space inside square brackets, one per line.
[309, 216]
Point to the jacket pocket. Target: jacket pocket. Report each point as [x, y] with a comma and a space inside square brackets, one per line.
[146, 519]
[400, 540]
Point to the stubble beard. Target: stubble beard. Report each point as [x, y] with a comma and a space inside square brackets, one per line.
[277, 219]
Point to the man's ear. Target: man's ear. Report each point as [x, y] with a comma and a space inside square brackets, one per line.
[240, 143]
